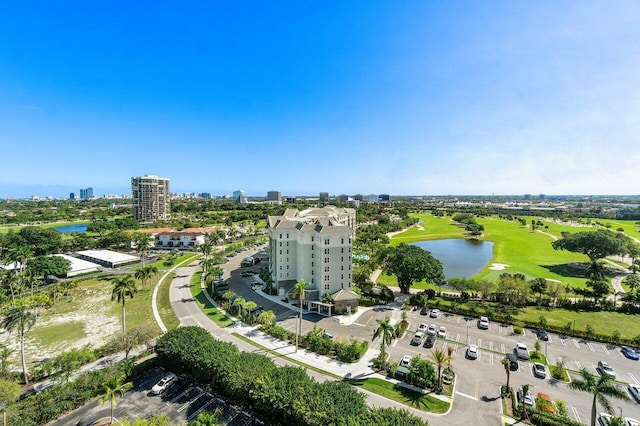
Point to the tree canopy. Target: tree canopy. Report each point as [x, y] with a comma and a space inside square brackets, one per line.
[409, 263]
[595, 244]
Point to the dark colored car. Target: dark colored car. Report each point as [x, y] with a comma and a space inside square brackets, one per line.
[429, 341]
[424, 311]
[630, 353]
[513, 362]
[542, 335]
[175, 389]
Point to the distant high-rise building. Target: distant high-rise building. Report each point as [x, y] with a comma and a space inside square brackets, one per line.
[372, 198]
[291, 200]
[384, 197]
[274, 197]
[86, 194]
[206, 195]
[358, 197]
[240, 197]
[324, 196]
[150, 198]
[343, 198]
[72, 196]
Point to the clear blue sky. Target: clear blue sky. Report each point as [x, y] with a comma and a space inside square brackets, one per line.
[399, 97]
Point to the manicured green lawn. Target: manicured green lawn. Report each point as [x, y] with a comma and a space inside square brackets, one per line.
[602, 322]
[405, 396]
[205, 306]
[56, 333]
[160, 263]
[165, 310]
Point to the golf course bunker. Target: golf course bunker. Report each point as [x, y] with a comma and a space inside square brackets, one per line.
[460, 258]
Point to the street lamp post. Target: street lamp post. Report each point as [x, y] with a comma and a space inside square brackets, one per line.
[467, 331]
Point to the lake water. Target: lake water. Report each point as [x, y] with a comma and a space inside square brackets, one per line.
[460, 258]
[67, 229]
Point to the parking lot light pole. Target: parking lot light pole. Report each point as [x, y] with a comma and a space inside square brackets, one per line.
[468, 341]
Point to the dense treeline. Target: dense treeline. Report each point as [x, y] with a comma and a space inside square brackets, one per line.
[281, 395]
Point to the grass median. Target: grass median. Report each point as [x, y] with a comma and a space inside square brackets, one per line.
[402, 395]
[205, 305]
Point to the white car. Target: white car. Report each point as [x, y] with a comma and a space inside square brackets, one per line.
[521, 351]
[442, 332]
[405, 361]
[256, 287]
[634, 390]
[606, 369]
[628, 421]
[431, 330]
[434, 313]
[483, 323]
[422, 328]
[604, 419]
[472, 352]
[163, 384]
[417, 338]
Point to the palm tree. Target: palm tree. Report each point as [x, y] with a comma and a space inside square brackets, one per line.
[440, 358]
[595, 271]
[207, 418]
[507, 369]
[21, 319]
[113, 388]
[239, 304]
[205, 249]
[19, 256]
[141, 240]
[142, 274]
[152, 271]
[123, 287]
[249, 307]
[388, 333]
[601, 387]
[9, 279]
[266, 318]
[298, 290]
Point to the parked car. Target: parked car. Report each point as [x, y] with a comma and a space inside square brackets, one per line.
[472, 352]
[422, 328]
[483, 324]
[174, 389]
[527, 399]
[442, 332]
[634, 390]
[604, 419]
[431, 330]
[521, 351]
[542, 335]
[424, 311]
[163, 384]
[434, 313]
[606, 370]
[628, 421]
[630, 353]
[405, 361]
[513, 362]
[429, 341]
[417, 338]
[539, 370]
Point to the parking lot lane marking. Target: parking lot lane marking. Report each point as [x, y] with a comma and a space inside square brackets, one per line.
[634, 379]
[595, 369]
[590, 346]
[502, 348]
[208, 403]
[563, 341]
[575, 342]
[490, 344]
[459, 319]
[188, 403]
[575, 414]
[550, 341]
[458, 337]
[606, 351]
[479, 342]
[466, 396]
[395, 342]
[578, 365]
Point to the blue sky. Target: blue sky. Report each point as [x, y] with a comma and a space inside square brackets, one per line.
[345, 97]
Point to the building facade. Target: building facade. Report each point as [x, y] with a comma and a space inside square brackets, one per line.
[313, 245]
[150, 198]
[86, 194]
[240, 197]
[274, 197]
[179, 240]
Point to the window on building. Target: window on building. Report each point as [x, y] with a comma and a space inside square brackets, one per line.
[287, 251]
[326, 241]
[280, 251]
[326, 277]
[342, 267]
[287, 243]
[312, 264]
[342, 240]
[341, 285]
[287, 267]
[312, 255]
[312, 247]
[326, 269]
[342, 250]
[280, 243]
[280, 235]
[281, 267]
[349, 276]
[349, 240]
[312, 238]
[326, 286]
[312, 281]
[287, 235]
[326, 251]
[326, 260]
[342, 259]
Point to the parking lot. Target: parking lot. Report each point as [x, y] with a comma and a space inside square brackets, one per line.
[182, 403]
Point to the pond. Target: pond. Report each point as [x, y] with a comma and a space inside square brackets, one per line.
[460, 258]
[67, 229]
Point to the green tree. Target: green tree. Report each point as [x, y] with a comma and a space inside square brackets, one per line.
[9, 393]
[421, 372]
[440, 358]
[539, 285]
[206, 418]
[266, 319]
[20, 319]
[601, 387]
[142, 241]
[43, 266]
[595, 244]
[388, 333]
[507, 369]
[595, 271]
[123, 287]
[409, 263]
[112, 389]
[298, 290]
[5, 353]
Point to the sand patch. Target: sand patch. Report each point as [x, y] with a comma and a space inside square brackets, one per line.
[498, 266]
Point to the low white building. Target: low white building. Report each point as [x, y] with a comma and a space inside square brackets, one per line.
[79, 266]
[179, 240]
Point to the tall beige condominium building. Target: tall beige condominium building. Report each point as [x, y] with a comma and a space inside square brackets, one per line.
[150, 196]
[312, 245]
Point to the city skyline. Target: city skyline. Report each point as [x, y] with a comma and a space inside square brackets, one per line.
[410, 99]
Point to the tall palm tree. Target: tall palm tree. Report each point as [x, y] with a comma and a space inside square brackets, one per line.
[440, 358]
[239, 304]
[112, 389]
[249, 307]
[141, 274]
[595, 271]
[142, 241]
[266, 318]
[507, 369]
[152, 271]
[298, 290]
[387, 332]
[21, 319]
[123, 287]
[18, 256]
[8, 278]
[205, 249]
[600, 387]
